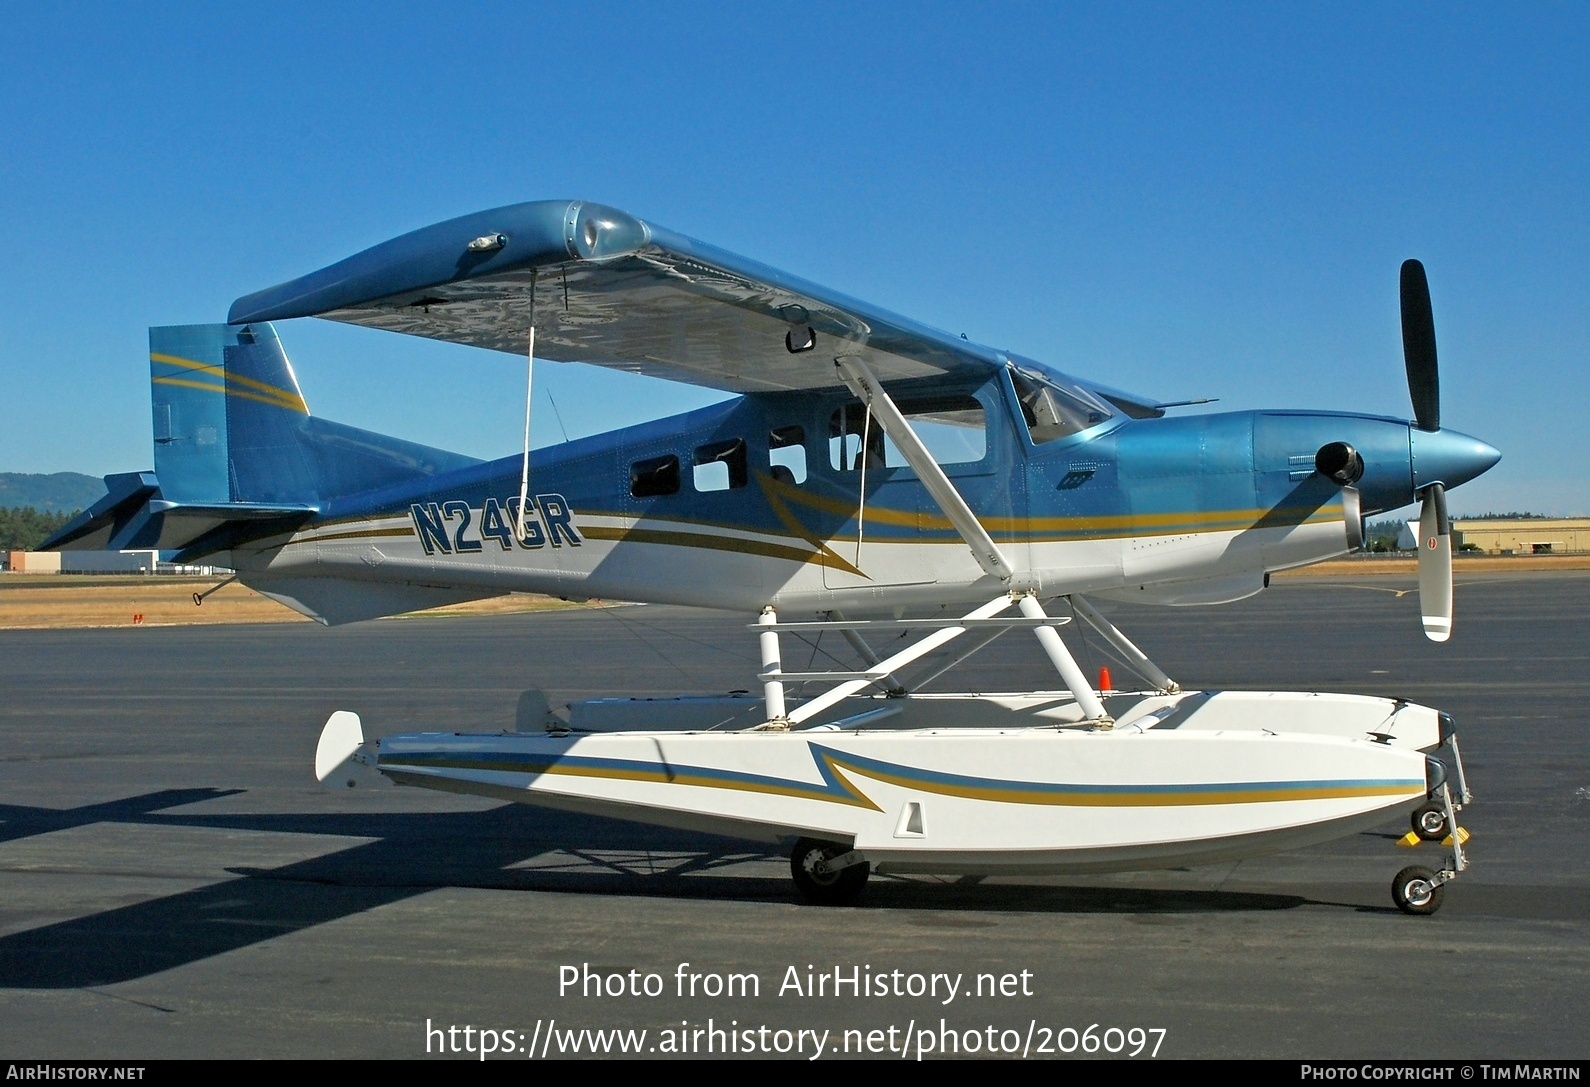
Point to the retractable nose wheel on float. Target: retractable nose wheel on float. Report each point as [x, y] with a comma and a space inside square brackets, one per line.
[827, 873]
[1416, 891]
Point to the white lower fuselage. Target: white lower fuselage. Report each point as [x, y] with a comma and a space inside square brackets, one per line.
[706, 565]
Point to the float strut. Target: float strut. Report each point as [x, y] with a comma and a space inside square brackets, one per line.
[1135, 658]
[888, 666]
[1060, 656]
[772, 689]
[891, 684]
[978, 645]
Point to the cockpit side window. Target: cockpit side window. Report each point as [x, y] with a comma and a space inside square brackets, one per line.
[1054, 410]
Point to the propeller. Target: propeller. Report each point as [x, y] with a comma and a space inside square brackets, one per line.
[1424, 389]
[1418, 347]
[1435, 564]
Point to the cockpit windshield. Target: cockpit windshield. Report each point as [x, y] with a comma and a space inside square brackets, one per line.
[1053, 407]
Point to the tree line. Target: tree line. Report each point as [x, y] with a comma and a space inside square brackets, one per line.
[23, 528]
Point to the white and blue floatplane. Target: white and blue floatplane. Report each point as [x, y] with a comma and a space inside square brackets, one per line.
[872, 475]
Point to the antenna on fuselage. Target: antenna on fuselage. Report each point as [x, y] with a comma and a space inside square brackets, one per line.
[529, 383]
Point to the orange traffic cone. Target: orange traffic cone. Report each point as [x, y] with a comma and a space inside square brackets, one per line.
[1104, 680]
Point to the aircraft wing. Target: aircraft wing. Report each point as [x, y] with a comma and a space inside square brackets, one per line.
[604, 287]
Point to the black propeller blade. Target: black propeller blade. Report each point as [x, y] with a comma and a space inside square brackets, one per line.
[1424, 388]
[1418, 347]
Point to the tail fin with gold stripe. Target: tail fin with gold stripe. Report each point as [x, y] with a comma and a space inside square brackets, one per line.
[238, 457]
[228, 416]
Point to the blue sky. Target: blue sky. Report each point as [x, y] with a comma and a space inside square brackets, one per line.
[1182, 200]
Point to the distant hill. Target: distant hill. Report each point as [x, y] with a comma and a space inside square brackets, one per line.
[57, 492]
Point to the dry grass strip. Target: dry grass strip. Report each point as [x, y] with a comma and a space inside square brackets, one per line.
[65, 601]
[1461, 564]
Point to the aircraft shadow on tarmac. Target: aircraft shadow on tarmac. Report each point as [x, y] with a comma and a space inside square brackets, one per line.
[512, 847]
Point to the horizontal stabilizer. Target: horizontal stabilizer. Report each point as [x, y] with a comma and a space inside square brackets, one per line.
[238, 458]
[97, 526]
[135, 516]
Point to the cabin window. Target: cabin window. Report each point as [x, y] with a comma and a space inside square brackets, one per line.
[1052, 410]
[657, 476]
[786, 454]
[720, 466]
[952, 427]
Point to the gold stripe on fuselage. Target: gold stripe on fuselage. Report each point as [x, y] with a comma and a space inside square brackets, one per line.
[366, 534]
[713, 543]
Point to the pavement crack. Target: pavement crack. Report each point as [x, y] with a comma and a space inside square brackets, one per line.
[130, 1000]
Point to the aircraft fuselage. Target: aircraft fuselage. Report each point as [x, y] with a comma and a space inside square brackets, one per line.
[758, 501]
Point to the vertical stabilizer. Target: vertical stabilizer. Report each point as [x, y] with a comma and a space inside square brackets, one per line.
[232, 428]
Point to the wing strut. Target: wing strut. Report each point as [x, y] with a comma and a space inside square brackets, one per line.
[524, 471]
[859, 378]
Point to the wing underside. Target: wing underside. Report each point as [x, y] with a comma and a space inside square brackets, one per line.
[603, 287]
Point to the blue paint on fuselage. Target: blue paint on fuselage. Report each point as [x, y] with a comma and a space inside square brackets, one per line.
[1222, 470]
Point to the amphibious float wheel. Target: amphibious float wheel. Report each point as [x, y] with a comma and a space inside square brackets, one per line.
[825, 888]
[1429, 822]
[1415, 890]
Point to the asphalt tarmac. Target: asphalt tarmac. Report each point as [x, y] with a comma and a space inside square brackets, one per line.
[174, 884]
